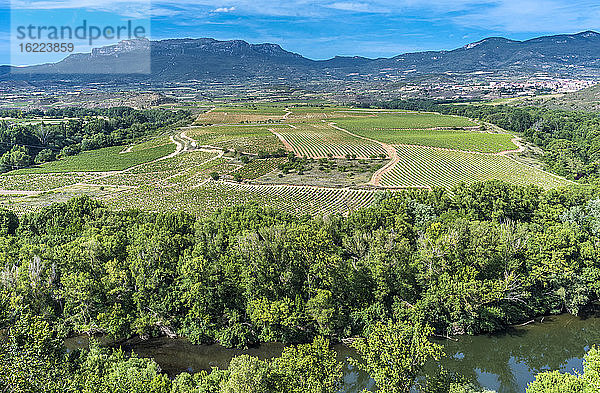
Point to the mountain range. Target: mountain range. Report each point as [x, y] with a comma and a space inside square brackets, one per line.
[207, 58]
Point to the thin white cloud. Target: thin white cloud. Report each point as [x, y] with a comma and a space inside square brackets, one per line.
[73, 4]
[533, 16]
[251, 7]
[223, 9]
[357, 7]
[137, 9]
[511, 16]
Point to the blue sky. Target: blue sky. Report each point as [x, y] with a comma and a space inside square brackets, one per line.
[322, 29]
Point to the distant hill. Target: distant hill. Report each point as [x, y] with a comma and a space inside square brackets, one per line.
[586, 99]
[551, 53]
[206, 58]
[583, 100]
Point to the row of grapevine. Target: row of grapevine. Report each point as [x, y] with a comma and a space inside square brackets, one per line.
[248, 139]
[414, 120]
[211, 195]
[316, 142]
[237, 117]
[294, 199]
[429, 167]
[258, 168]
[43, 181]
[159, 171]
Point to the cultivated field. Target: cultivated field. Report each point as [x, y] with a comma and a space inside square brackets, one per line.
[43, 182]
[237, 115]
[257, 168]
[483, 142]
[342, 158]
[160, 172]
[434, 130]
[430, 167]
[101, 160]
[310, 114]
[216, 194]
[321, 140]
[405, 121]
[247, 139]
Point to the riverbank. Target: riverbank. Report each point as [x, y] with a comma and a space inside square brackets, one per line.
[505, 362]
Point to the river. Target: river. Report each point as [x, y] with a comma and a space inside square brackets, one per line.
[504, 362]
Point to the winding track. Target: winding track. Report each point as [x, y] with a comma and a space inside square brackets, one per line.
[517, 141]
[391, 152]
[376, 179]
[184, 143]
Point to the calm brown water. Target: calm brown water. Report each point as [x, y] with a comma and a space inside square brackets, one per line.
[504, 362]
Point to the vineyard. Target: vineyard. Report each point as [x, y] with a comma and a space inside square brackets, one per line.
[257, 168]
[101, 160]
[159, 171]
[320, 140]
[154, 142]
[308, 114]
[200, 173]
[240, 115]
[28, 203]
[405, 120]
[294, 199]
[342, 158]
[447, 132]
[449, 139]
[429, 167]
[212, 195]
[248, 139]
[43, 182]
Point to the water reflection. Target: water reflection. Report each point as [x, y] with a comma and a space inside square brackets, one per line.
[507, 362]
[504, 362]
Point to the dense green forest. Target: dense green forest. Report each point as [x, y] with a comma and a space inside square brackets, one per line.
[570, 140]
[24, 144]
[471, 260]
